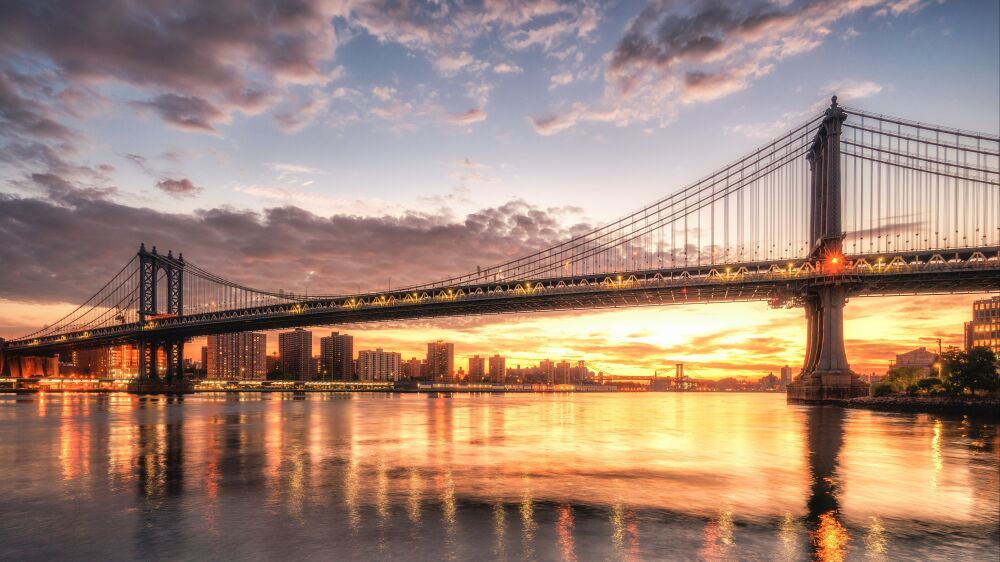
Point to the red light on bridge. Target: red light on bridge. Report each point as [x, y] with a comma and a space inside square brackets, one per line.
[836, 262]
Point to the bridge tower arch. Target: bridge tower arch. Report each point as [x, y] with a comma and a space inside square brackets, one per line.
[151, 264]
[826, 373]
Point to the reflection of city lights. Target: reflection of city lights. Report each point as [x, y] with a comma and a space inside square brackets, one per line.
[830, 538]
[499, 531]
[876, 540]
[788, 534]
[565, 529]
[936, 456]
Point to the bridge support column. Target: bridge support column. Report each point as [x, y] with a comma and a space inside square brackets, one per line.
[174, 351]
[4, 366]
[826, 375]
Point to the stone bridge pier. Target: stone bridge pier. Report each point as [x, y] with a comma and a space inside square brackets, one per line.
[826, 374]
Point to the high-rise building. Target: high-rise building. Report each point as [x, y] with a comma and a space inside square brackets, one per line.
[498, 369]
[984, 330]
[204, 360]
[547, 370]
[295, 348]
[477, 368]
[239, 356]
[272, 364]
[786, 375]
[441, 361]
[378, 365]
[337, 357]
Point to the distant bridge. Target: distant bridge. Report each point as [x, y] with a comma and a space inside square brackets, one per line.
[847, 204]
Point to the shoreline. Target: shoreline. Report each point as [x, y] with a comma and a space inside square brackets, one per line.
[980, 406]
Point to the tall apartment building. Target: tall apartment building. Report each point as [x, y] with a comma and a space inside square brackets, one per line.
[414, 369]
[477, 368]
[378, 365]
[295, 349]
[498, 368]
[984, 330]
[336, 357]
[240, 356]
[116, 361]
[561, 373]
[441, 361]
[786, 375]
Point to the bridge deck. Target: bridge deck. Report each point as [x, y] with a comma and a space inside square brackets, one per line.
[972, 270]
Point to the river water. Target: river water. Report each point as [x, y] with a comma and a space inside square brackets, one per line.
[490, 477]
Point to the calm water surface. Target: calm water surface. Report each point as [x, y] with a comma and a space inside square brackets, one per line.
[490, 477]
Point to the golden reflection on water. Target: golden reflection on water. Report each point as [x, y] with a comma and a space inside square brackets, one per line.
[830, 538]
[876, 541]
[564, 524]
[788, 534]
[499, 531]
[716, 471]
[936, 457]
[527, 510]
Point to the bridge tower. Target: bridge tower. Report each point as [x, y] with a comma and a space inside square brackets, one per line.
[826, 374]
[151, 265]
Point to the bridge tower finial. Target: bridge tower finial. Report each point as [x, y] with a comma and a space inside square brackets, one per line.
[170, 254]
[154, 249]
[833, 101]
[142, 247]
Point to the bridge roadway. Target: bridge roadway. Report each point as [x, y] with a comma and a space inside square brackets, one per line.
[779, 281]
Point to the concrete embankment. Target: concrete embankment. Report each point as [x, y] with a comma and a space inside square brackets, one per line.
[980, 406]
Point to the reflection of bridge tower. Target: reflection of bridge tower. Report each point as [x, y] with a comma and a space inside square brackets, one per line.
[151, 266]
[826, 374]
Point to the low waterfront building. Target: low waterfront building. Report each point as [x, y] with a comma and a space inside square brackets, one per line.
[920, 359]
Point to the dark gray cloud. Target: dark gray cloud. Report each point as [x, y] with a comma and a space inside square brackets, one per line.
[186, 112]
[65, 246]
[21, 110]
[178, 188]
[189, 46]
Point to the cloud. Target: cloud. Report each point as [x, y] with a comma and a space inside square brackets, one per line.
[178, 188]
[467, 173]
[22, 112]
[504, 68]
[561, 79]
[673, 54]
[184, 112]
[474, 115]
[232, 55]
[300, 115]
[449, 64]
[853, 90]
[344, 250]
[446, 30]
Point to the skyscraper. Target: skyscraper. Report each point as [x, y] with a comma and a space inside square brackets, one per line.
[337, 357]
[984, 330]
[239, 356]
[498, 368]
[477, 368]
[378, 365]
[786, 375]
[295, 349]
[440, 361]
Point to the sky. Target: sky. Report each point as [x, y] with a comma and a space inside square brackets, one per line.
[332, 146]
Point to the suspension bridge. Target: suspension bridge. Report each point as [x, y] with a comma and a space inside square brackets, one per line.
[847, 204]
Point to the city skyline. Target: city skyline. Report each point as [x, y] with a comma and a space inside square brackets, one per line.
[272, 168]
